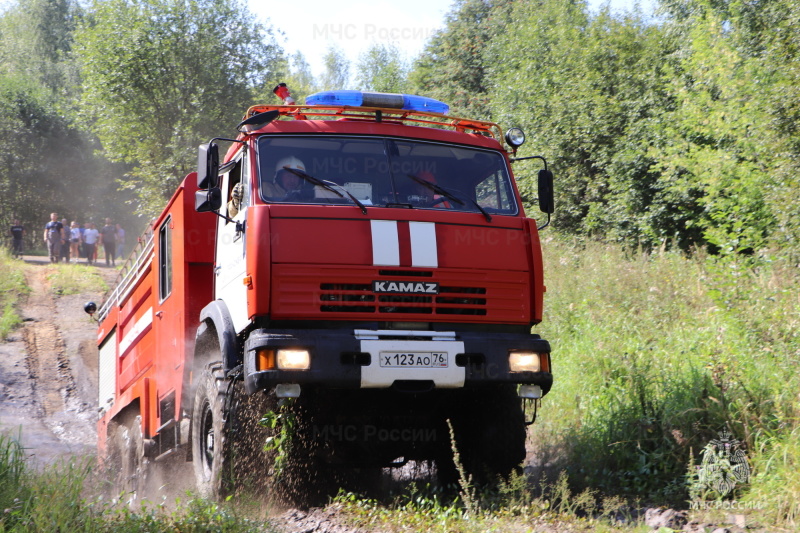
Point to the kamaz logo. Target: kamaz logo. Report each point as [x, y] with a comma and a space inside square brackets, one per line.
[415, 287]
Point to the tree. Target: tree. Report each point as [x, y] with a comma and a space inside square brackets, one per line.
[36, 39]
[714, 138]
[337, 70]
[50, 163]
[453, 66]
[382, 69]
[300, 79]
[163, 75]
[540, 82]
[779, 90]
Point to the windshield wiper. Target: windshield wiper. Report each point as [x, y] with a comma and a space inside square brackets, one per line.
[333, 186]
[438, 190]
[329, 186]
[450, 196]
[483, 211]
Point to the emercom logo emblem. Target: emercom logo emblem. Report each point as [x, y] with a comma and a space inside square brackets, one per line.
[724, 465]
[405, 287]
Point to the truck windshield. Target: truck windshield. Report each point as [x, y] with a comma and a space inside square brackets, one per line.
[383, 172]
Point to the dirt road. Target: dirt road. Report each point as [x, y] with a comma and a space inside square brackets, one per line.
[48, 370]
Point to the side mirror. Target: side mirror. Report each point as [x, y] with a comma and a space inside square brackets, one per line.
[258, 121]
[546, 201]
[90, 308]
[209, 200]
[208, 166]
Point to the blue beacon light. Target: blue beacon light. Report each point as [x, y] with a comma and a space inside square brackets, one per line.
[408, 102]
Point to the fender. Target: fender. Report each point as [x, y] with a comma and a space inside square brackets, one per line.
[217, 314]
[214, 314]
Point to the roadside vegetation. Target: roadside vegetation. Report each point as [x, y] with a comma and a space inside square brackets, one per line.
[57, 499]
[658, 353]
[12, 286]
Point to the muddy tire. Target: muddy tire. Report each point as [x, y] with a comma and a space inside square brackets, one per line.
[126, 460]
[227, 438]
[251, 466]
[210, 456]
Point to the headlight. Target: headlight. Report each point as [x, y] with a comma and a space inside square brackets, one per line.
[289, 359]
[524, 361]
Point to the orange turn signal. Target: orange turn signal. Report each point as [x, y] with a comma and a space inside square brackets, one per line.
[265, 359]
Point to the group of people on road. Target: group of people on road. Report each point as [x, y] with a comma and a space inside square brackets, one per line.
[69, 242]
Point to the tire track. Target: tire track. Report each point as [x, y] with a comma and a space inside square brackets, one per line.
[46, 357]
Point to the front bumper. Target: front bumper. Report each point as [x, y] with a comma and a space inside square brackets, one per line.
[349, 359]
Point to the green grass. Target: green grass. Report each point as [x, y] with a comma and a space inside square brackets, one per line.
[66, 279]
[12, 288]
[60, 498]
[516, 505]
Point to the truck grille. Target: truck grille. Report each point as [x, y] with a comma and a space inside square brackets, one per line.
[306, 291]
[350, 298]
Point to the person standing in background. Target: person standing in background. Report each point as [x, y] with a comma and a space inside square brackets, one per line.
[75, 240]
[120, 241]
[17, 234]
[109, 233]
[90, 236]
[53, 231]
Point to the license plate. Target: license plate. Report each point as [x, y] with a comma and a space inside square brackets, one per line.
[413, 360]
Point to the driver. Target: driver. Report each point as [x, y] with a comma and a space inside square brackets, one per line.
[285, 182]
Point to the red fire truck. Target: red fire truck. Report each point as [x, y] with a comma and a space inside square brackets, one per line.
[366, 255]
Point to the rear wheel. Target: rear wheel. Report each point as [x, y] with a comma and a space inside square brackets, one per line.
[126, 459]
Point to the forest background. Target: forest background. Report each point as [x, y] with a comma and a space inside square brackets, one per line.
[678, 130]
[675, 144]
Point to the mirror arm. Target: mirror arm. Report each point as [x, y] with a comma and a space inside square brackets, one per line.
[513, 159]
[224, 139]
[239, 225]
[540, 228]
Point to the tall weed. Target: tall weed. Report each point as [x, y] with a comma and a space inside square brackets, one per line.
[13, 472]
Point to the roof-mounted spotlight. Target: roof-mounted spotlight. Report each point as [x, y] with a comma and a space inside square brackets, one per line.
[515, 138]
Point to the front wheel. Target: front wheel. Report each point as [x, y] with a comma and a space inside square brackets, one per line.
[209, 433]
